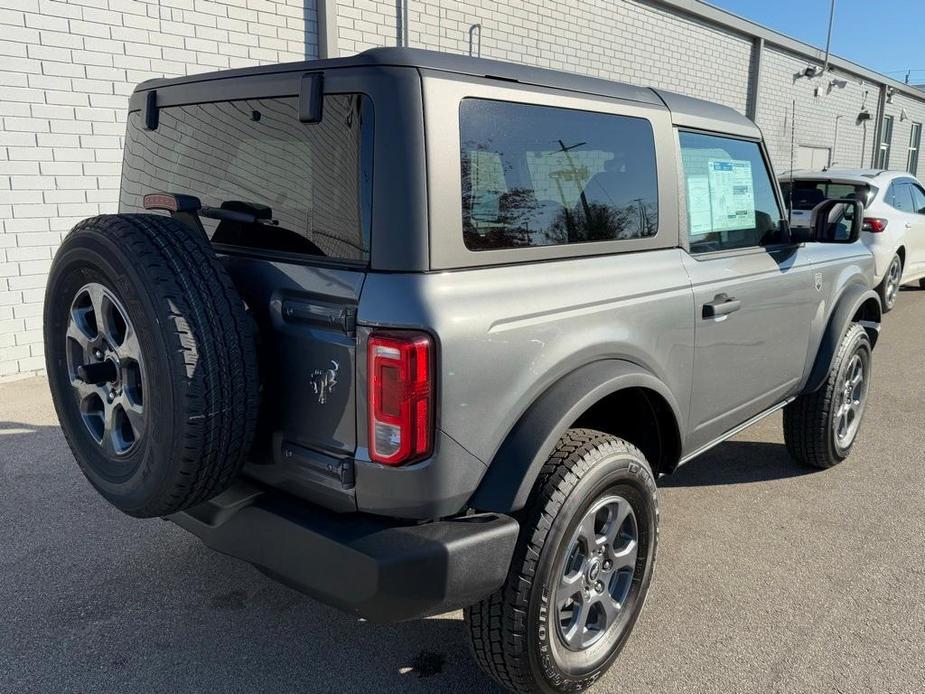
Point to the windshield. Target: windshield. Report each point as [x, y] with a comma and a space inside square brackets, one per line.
[311, 182]
[808, 194]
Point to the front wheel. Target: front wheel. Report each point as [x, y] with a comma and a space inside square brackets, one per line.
[820, 428]
[888, 289]
[580, 573]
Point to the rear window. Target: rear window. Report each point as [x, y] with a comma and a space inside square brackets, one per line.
[315, 178]
[808, 194]
[542, 176]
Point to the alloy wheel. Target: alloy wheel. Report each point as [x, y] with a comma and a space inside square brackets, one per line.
[851, 400]
[892, 281]
[597, 573]
[106, 369]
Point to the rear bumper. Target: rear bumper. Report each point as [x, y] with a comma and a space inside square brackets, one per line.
[375, 568]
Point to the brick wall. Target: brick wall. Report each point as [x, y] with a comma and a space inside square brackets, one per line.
[621, 40]
[66, 69]
[821, 102]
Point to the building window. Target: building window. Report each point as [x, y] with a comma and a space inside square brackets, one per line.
[912, 163]
[886, 137]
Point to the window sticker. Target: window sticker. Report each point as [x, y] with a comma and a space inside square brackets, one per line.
[699, 210]
[732, 195]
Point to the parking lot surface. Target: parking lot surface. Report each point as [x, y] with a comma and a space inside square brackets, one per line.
[770, 577]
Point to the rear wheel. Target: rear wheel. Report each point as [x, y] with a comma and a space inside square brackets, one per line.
[888, 289]
[580, 572]
[151, 361]
[820, 428]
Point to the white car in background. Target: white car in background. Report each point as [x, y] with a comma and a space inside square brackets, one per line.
[894, 218]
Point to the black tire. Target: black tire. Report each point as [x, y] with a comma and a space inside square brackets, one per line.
[888, 289]
[189, 378]
[922, 283]
[514, 633]
[809, 421]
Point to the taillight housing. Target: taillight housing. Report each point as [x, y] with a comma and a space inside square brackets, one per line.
[874, 225]
[400, 382]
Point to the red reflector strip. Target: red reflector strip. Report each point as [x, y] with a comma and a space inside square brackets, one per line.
[160, 201]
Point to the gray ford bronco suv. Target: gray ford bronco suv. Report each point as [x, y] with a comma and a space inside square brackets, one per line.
[413, 332]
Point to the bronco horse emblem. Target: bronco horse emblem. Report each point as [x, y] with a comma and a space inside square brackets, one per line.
[323, 382]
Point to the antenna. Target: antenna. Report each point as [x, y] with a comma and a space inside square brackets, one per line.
[793, 120]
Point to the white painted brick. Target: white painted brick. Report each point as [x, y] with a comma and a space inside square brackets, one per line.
[61, 39]
[19, 254]
[56, 196]
[92, 29]
[66, 98]
[93, 57]
[59, 9]
[33, 267]
[19, 168]
[35, 363]
[32, 211]
[39, 52]
[13, 48]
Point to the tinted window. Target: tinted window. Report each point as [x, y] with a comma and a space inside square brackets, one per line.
[730, 195]
[540, 176]
[918, 199]
[805, 195]
[900, 196]
[315, 178]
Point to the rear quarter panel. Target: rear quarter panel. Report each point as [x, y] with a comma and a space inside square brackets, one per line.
[507, 333]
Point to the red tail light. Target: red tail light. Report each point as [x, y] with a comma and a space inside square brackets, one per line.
[401, 411]
[874, 225]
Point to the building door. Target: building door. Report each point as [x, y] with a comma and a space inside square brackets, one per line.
[813, 158]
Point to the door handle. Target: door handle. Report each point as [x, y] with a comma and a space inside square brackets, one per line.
[908, 225]
[722, 305]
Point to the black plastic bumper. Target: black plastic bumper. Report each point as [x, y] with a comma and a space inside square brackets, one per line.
[369, 566]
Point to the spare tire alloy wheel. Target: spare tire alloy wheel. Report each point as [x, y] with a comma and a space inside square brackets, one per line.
[151, 361]
[106, 369]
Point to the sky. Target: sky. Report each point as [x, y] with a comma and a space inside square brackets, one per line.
[884, 35]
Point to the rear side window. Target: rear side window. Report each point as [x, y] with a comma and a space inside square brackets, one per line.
[311, 182]
[542, 176]
[805, 195]
[899, 196]
[730, 194]
[918, 199]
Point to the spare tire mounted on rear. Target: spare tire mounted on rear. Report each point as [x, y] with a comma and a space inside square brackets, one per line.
[151, 360]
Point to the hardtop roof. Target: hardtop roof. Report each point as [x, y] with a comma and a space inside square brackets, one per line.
[686, 111]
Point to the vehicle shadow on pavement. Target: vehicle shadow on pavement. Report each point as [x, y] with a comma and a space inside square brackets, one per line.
[737, 462]
[97, 601]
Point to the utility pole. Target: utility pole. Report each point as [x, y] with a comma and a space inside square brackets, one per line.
[828, 41]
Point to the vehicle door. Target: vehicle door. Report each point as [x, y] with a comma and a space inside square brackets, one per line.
[753, 286]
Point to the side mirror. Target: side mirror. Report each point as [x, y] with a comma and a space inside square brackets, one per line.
[837, 221]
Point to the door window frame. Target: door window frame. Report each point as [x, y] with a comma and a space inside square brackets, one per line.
[683, 228]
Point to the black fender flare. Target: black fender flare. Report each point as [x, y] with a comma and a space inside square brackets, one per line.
[515, 467]
[847, 307]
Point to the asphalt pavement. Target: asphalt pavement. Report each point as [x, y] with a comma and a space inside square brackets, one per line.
[770, 577]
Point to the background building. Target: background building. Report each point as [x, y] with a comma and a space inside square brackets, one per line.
[66, 69]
